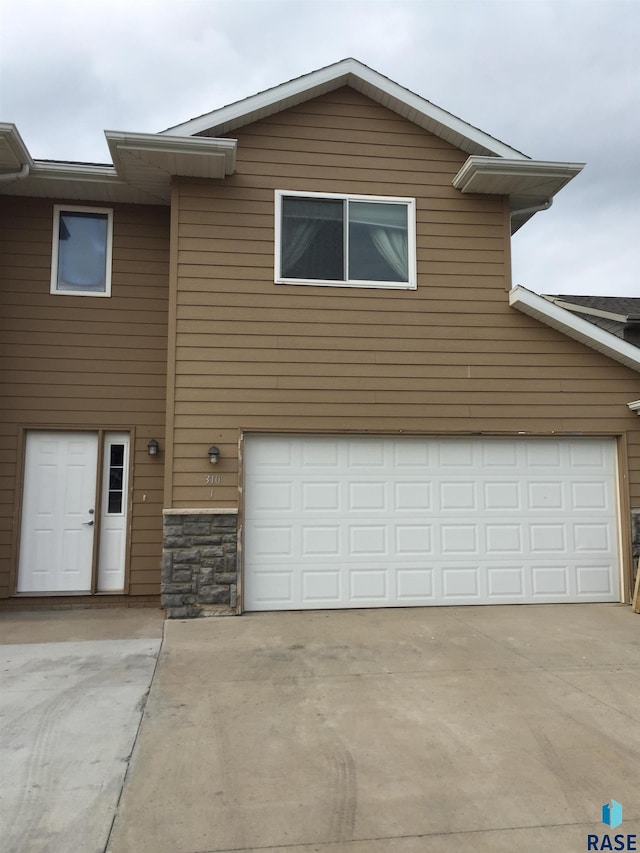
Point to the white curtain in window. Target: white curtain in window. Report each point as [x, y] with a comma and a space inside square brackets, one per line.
[393, 245]
[299, 236]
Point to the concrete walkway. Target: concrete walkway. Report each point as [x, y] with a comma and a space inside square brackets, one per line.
[447, 730]
[73, 687]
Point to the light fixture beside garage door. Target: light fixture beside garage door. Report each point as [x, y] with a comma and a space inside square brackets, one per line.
[214, 455]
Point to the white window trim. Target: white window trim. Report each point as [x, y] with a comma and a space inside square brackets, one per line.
[63, 208]
[386, 285]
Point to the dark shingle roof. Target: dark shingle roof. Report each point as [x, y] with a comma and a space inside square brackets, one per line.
[619, 315]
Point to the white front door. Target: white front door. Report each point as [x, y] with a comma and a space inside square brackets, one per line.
[58, 515]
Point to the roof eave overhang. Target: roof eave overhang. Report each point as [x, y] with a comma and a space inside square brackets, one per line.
[529, 184]
[575, 327]
[143, 166]
[148, 161]
[349, 72]
[13, 152]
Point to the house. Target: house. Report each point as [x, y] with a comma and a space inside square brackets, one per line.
[275, 352]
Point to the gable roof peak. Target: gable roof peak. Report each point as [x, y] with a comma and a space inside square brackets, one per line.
[348, 72]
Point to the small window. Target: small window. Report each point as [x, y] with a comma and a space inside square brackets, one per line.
[348, 241]
[82, 239]
[117, 475]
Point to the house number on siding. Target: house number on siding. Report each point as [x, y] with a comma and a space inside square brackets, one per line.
[212, 480]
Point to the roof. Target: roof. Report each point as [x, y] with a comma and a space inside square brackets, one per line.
[619, 315]
[576, 325]
[348, 72]
[144, 163]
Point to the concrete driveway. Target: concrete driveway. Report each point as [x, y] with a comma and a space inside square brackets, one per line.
[73, 686]
[388, 731]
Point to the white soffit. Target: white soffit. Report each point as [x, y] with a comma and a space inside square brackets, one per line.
[530, 184]
[147, 161]
[348, 72]
[575, 327]
[144, 164]
[533, 180]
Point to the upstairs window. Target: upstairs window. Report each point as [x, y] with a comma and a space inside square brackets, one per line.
[81, 264]
[345, 240]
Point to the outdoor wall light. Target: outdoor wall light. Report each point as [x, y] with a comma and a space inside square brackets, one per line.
[214, 455]
[153, 447]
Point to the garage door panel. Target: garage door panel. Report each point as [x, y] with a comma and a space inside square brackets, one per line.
[322, 586]
[413, 540]
[501, 539]
[502, 495]
[369, 586]
[415, 586]
[272, 590]
[589, 496]
[366, 455]
[594, 580]
[321, 496]
[460, 583]
[544, 496]
[593, 537]
[507, 582]
[355, 521]
[410, 496]
[550, 581]
[323, 540]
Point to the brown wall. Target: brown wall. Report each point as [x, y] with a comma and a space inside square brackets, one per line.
[70, 361]
[451, 356]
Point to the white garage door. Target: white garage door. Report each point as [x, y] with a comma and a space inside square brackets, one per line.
[363, 521]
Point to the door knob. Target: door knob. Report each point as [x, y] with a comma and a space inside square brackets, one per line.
[90, 523]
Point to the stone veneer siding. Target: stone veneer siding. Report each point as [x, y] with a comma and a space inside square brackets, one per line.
[635, 531]
[199, 563]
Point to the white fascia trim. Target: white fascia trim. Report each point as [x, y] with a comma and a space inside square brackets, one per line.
[117, 139]
[9, 132]
[516, 168]
[75, 172]
[575, 327]
[345, 72]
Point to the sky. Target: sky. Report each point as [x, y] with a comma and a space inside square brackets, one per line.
[556, 79]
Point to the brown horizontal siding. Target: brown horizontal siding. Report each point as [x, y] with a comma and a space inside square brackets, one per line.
[441, 207]
[78, 602]
[88, 363]
[450, 357]
[231, 385]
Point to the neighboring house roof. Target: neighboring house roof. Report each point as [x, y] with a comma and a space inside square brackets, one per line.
[576, 324]
[619, 315]
[143, 163]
